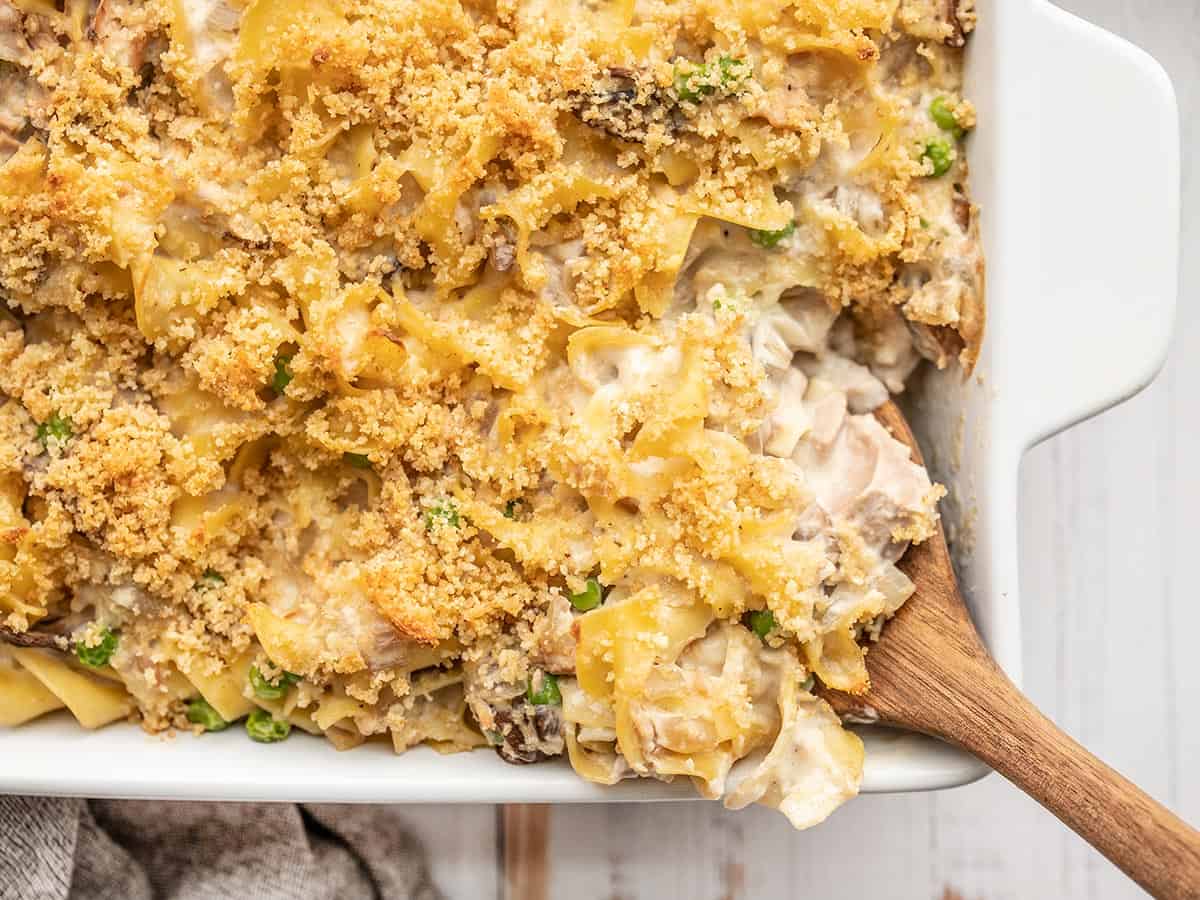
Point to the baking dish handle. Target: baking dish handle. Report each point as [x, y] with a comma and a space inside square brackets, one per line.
[1108, 224]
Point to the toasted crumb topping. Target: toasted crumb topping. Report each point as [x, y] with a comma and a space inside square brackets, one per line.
[348, 345]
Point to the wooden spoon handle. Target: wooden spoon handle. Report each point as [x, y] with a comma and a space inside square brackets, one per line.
[1138, 834]
[524, 837]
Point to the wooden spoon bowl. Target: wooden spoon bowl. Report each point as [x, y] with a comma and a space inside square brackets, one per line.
[931, 673]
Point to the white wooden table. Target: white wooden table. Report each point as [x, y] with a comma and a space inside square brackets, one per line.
[1110, 561]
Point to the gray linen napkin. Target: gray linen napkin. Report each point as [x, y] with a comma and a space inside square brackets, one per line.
[53, 849]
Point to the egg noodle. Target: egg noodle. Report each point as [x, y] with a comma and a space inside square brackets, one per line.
[495, 372]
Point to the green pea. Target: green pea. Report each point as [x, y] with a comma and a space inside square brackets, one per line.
[732, 69]
[358, 460]
[942, 113]
[283, 373]
[514, 508]
[443, 512]
[265, 728]
[691, 85]
[210, 580]
[692, 82]
[547, 694]
[769, 239]
[97, 655]
[201, 712]
[940, 156]
[271, 689]
[58, 427]
[590, 597]
[761, 622]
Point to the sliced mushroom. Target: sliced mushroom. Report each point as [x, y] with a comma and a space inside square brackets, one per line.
[962, 208]
[627, 105]
[529, 733]
[520, 731]
[33, 639]
[960, 15]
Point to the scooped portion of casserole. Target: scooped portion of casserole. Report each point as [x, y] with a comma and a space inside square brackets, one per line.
[483, 373]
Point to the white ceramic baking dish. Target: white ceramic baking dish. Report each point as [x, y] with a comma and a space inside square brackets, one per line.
[1075, 164]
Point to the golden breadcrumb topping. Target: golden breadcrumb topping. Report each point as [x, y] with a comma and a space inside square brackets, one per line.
[474, 372]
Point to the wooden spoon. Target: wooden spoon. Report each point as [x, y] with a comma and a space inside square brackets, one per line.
[931, 673]
[524, 842]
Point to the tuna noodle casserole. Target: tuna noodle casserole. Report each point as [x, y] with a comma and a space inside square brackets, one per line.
[480, 373]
